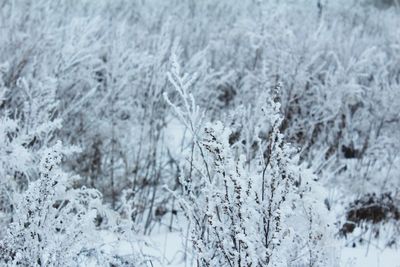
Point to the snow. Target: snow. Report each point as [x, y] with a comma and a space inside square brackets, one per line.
[168, 247]
[359, 257]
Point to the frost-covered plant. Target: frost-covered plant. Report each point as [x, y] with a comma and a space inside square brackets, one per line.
[245, 211]
[24, 133]
[47, 219]
[55, 224]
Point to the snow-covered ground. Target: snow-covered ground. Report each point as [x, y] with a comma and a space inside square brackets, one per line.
[358, 257]
[168, 250]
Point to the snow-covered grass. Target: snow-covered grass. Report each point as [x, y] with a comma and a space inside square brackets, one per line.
[268, 127]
